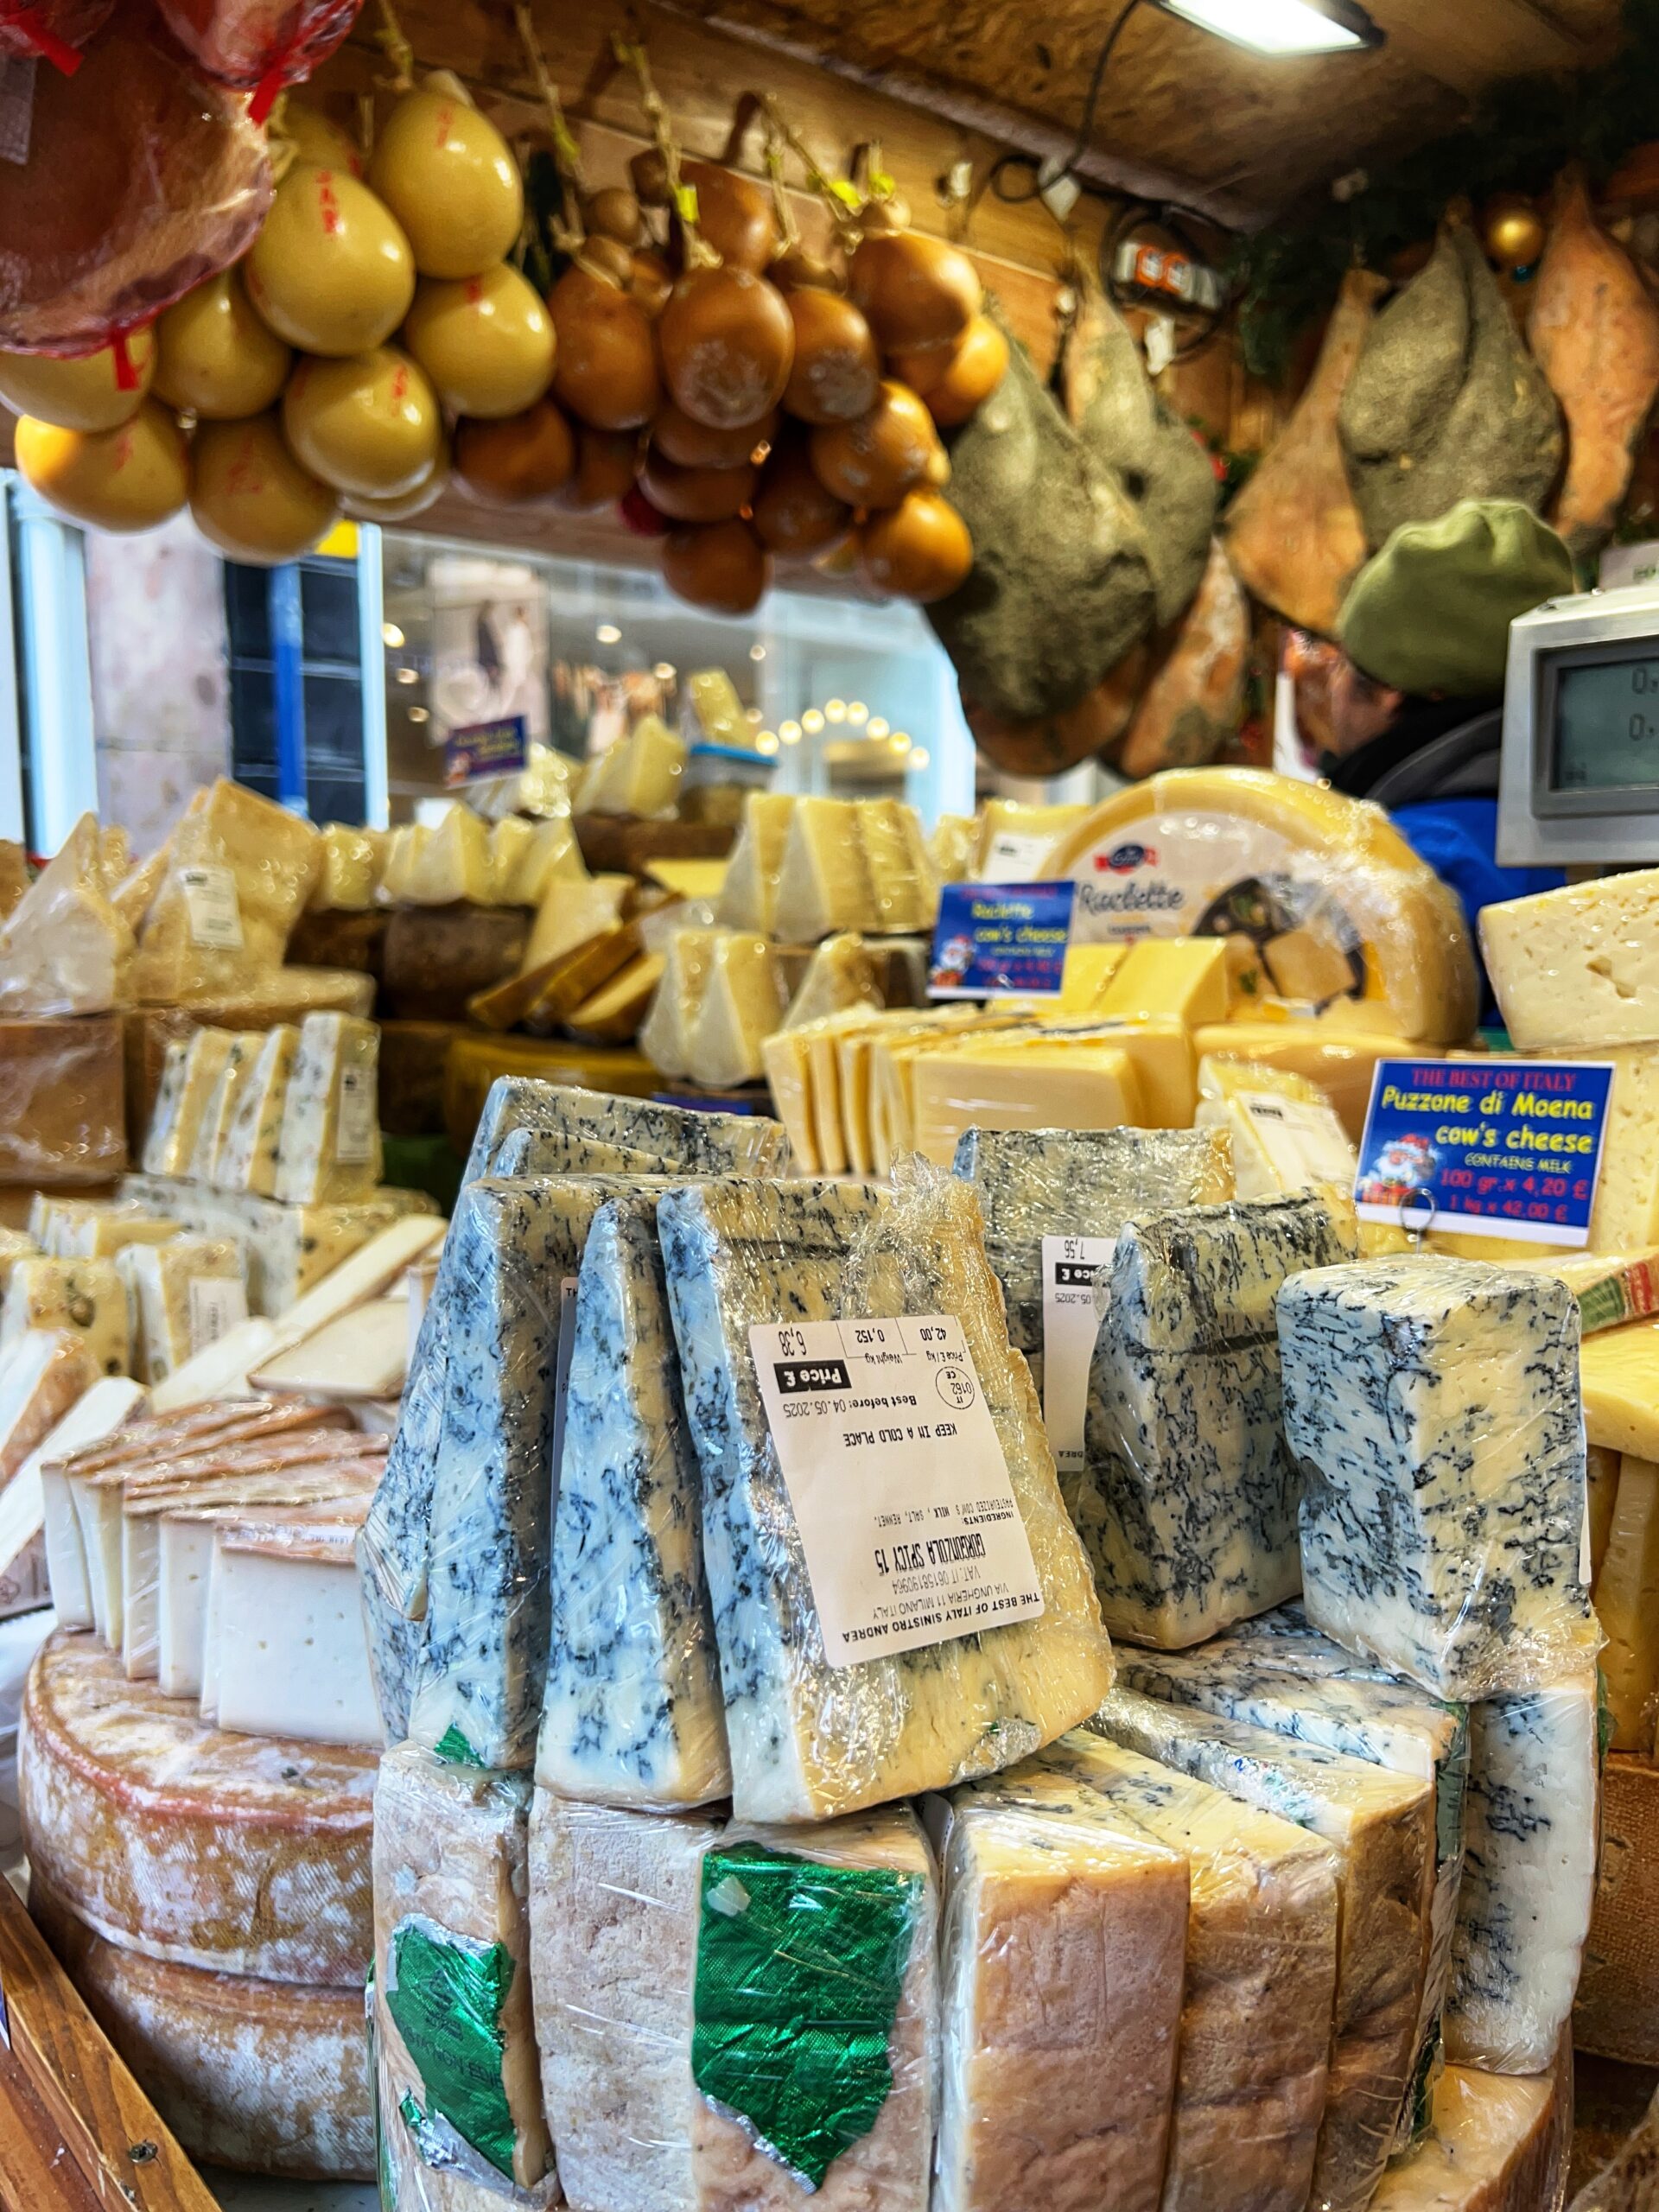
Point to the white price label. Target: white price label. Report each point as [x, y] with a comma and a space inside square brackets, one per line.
[1015, 856]
[217, 1303]
[566, 1345]
[1306, 1143]
[359, 1104]
[1070, 1265]
[210, 908]
[908, 1520]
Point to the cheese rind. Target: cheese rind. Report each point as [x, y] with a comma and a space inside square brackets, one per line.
[809, 1740]
[1064, 1958]
[329, 1149]
[1433, 1409]
[1382, 1828]
[1188, 1497]
[452, 1967]
[633, 1713]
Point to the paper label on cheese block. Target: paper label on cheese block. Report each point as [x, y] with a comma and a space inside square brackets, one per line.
[1306, 1144]
[1014, 856]
[217, 1304]
[211, 912]
[354, 1138]
[1071, 1267]
[912, 1532]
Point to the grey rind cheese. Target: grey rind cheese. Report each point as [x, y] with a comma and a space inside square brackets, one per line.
[1382, 1828]
[633, 1713]
[701, 1144]
[1037, 1183]
[1432, 1406]
[1187, 1498]
[809, 1740]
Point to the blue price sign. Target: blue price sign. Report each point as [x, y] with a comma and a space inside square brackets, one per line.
[498, 748]
[1512, 1147]
[1001, 940]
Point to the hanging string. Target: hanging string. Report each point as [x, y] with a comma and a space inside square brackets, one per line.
[631, 53]
[397, 48]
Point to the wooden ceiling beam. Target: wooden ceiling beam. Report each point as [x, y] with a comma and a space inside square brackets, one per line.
[1468, 44]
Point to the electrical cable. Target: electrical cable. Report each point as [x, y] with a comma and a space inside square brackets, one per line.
[1085, 127]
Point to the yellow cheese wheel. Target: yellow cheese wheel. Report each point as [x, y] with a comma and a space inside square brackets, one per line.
[93, 391]
[448, 176]
[370, 425]
[331, 271]
[486, 342]
[252, 499]
[131, 478]
[1346, 920]
[216, 357]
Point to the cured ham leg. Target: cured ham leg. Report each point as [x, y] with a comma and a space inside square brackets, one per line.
[1293, 534]
[1193, 704]
[1595, 331]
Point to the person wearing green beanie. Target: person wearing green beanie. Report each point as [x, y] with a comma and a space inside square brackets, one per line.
[1415, 715]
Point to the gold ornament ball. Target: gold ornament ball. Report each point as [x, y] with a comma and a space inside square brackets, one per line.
[1513, 230]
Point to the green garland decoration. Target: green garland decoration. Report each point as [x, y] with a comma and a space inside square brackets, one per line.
[1521, 133]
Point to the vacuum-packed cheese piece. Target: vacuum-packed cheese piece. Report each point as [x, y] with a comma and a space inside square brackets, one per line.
[552, 852]
[484, 1666]
[1261, 1952]
[1286, 1690]
[1432, 1406]
[741, 1003]
[1064, 1960]
[1171, 979]
[220, 1108]
[840, 975]
[348, 868]
[1497, 2145]
[1037, 1183]
[748, 897]
[64, 949]
[450, 864]
[1627, 1605]
[808, 1739]
[172, 1839]
[452, 1995]
[102, 1232]
[573, 911]
[671, 1960]
[1187, 1499]
[190, 1076]
[1382, 1828]
[180, 1296]
[639, 774]
[246, 1160]
[666, 1032]
[1578, 966]
[240, 870]
[1338, 1062]
[824, 882]
[680, 1140]
[83, 1296]
[633, 1713]
[265, 2076]
[907, 895]
[329, 1150]
[1286, 1136]
[1529, 1880]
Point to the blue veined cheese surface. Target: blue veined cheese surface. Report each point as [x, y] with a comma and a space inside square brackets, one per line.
[680, 1139]
[1529, 1875]
[633, 1713]
[1382, 1826]
[809, 1740]
[1187, 1498]
[1037, 1183]
[1434, 1408]
[1304, 1693]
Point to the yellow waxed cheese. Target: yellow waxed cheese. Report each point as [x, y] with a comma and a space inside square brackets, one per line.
[1177, 979]
[1578, 968]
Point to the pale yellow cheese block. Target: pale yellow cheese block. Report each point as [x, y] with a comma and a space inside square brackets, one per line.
[1627, 1606]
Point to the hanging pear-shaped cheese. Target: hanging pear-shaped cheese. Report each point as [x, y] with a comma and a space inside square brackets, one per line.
[252, 499]
[131, 478]
[331, 271]
[216, 357]
[370, 426]
[92, 391]
[448, 175]
[486, 342]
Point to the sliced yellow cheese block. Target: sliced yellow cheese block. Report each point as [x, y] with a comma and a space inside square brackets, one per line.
[1028, 1087]
[1175, 979]
[613, 1013]
[1618, 1374]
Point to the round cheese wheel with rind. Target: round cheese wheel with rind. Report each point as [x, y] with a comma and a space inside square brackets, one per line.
[168, 1836]
[1345, 917]
[257, 2075]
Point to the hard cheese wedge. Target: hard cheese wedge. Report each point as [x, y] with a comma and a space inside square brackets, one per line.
[1627, 1606]
[1178, 979]
[1498, 2146]
[1432, 1405]
[748, 898]
[452, 1970]
[1187, 1500]
[1063, 1961]
[807, 1739]
[1382, 1828]
[666, 1032]
[633, 1713]
[824, 882]
[269, 1586]
[1578, 966]
[839, 974]
[742, 1003]
[1619, 1374]
[110, 1402]
[247, 1160]
[329, 1150]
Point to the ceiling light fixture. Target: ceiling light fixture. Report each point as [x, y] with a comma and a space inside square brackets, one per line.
[608, 634]
[1279, 27]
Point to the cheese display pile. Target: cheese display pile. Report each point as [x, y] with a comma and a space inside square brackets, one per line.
[1278, 1896]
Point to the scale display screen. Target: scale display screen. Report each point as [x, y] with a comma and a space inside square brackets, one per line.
[1606, 723]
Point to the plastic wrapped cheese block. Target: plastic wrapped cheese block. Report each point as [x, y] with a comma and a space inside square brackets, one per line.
[1355, 923]
[748, 897]
[348, 870]
[638, 775]
[1063, 1962]
[42, 1372]
[1578, 968]
[64, 949]
[452, 1972]
[329, 1149]
[633, 1713]
[245, 1158]
[741, 1003]
[674, 1137]
[1497, 2145]
[1284, 1133]
[735, 2018]
[84, 1297]
[1432, 1408]
[181, 1295]
[1187, 1497]
[240, 871]
[1381, 1826]
[444, 864]
[807, 1739]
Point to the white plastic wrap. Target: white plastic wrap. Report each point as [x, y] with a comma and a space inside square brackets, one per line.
[807, 1739]
[62, 1100]
[64, 949]
[1432, 1408]
[239, 873]
[745, 2019]
[259, 45]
